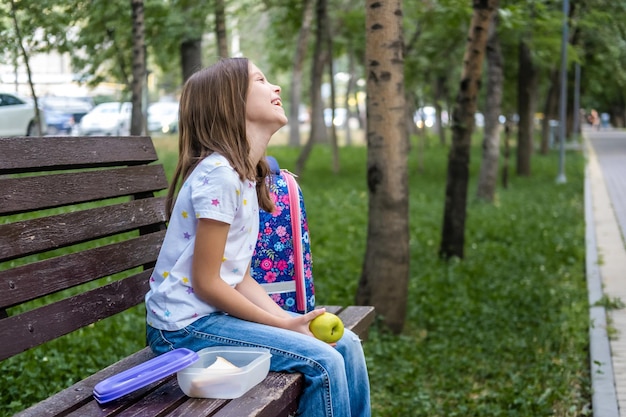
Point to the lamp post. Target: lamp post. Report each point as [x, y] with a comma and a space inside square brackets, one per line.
[561, 178]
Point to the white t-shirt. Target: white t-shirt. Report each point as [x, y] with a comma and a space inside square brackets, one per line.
[212, 191]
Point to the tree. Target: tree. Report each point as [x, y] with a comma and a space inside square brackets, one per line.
[296, 78]
[220, 29]
[488, 177]
[384, 280]
[453, 234]
[139, 67]
[191, 41]
[26, 58]
[526, 97]
[320, 59]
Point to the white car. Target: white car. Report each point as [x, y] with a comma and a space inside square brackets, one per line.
[106, 119]
[17, 116]
[163, 117]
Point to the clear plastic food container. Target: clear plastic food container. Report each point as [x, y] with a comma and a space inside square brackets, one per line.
[245, 368]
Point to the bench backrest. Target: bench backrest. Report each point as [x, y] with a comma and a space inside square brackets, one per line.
[80, 230]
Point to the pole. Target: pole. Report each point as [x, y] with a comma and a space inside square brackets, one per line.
[561, 178]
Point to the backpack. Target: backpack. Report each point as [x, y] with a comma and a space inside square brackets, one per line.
[281, 262]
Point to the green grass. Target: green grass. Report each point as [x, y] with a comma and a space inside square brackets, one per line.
[501, 333]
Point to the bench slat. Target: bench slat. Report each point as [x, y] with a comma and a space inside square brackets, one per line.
[156, 403]
[358, 319]
[32, 328]
[81, 393]
[46, 233]
[31, 281]
[31, 154]
[25, 194]
[197, 407]
[276, 395]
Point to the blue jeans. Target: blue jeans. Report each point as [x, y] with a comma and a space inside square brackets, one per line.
[336, 383]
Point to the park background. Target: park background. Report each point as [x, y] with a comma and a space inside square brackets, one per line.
[499, 331]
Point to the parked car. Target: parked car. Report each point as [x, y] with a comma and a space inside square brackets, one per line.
[106, 119]
[17, 116]
[163, 117]
[63, 113]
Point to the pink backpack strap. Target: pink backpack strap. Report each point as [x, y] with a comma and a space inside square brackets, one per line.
[296, 231]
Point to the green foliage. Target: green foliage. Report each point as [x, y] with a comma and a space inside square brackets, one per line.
[609, 303]
[502, 333]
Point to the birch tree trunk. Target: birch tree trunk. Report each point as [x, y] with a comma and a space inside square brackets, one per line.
[38, 129]
[318, 131]
[453, 234]
[296, 73]
[139, 67]
[384, 280]
[488, 177]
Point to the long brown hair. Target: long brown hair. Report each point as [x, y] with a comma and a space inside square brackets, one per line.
[212, 118]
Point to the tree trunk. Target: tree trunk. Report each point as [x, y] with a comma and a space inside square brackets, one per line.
[440, 96]
[507, 152]
[220, 29]
[139, 70]
[453, 234]
[296, 73]
[550, 111]
[488, 177]
[333, 105]
[384, 281]
[318, 131]
[26, 57]
[190, 57]
[350, 91]
[526, 92]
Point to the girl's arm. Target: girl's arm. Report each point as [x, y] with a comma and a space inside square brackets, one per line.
[254, 292]
[245, 301]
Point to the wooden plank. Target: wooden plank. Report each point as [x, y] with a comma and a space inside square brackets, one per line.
[25, 194]
[197, 407]
[32, 154]
[80, 393]
[45, 233]
[277, 395]
[155, 403]
[332, 309]
[358, 319]
[32, 328]
[31, 281]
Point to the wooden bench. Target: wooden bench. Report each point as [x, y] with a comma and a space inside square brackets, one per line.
[54, 240]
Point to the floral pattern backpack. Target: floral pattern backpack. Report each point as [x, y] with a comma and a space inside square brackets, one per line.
[282, 262]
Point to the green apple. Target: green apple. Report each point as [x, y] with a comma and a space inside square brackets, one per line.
[327, 327]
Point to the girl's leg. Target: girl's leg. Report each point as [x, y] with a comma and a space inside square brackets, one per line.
[350, 348]
[330, 382]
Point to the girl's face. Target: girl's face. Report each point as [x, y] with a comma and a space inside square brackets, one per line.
[264, 106]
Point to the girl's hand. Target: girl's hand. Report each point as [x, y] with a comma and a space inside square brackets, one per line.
[300, 324]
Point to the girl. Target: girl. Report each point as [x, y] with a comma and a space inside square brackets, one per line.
[201, 292]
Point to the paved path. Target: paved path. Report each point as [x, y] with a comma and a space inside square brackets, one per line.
[605, 202]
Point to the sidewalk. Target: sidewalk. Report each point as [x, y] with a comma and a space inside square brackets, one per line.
[605, 218]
